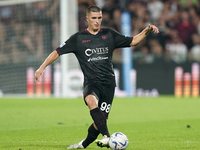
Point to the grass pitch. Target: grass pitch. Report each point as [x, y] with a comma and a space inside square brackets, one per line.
[163, 123]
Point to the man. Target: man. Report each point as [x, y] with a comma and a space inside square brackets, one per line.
[94, 48]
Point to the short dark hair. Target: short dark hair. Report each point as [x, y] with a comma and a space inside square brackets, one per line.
[92, 9]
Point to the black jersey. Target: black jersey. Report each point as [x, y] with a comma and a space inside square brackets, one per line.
[94, 53]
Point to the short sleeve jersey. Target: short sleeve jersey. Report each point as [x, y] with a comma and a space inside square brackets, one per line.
[94, 53]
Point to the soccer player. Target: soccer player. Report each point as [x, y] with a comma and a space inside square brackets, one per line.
[94, 48]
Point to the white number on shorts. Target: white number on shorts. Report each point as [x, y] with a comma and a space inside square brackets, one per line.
[105, 107]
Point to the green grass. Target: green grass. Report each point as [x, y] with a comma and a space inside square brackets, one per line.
[53, 124]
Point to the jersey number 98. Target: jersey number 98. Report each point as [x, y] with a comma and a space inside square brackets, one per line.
[105, 107]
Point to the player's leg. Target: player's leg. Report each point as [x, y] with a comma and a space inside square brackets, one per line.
[98, 117]
[91, 95]
[93, 131]
[92, 135]
[100, 123]
[105, 105]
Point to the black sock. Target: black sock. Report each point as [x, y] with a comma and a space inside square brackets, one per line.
[92, 135]
[100, 121]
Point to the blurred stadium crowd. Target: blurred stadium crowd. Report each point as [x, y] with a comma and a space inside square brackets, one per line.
[32, 30]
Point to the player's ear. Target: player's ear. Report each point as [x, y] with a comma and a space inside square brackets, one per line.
[86, 18]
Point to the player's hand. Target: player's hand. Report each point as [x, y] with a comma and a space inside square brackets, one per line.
[152, 28]
[38, 74]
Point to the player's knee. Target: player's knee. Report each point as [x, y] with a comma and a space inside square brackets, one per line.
[91, 101]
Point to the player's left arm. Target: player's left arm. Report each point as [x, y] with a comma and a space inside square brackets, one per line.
[139, 37]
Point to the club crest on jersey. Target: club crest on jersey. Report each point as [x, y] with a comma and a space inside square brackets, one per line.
[62, 44]
[104, 37]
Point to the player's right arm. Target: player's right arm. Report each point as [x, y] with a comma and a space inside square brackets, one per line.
[50, 59]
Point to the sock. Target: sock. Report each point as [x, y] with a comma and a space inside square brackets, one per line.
[100, 121]
[92, 135]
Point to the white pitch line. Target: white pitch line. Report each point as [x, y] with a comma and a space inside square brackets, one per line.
[164, 142]
[36, 141]
[74, 141]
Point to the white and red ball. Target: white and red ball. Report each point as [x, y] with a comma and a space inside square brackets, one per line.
[118, 141]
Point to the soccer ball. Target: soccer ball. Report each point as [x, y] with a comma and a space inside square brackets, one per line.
[118, 140]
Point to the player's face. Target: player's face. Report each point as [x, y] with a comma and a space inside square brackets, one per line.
[94, 20]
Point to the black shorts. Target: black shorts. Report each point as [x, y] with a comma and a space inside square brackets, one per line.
[104, 95]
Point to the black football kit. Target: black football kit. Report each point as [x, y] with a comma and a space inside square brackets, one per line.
[94, 53]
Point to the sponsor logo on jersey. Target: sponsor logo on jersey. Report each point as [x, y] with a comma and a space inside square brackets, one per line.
[102, 50]
[97, 58]
[85, 41]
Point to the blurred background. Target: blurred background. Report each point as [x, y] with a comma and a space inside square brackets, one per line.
[30, 31]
